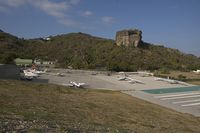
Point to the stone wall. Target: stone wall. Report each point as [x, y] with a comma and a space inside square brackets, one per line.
[130, 37]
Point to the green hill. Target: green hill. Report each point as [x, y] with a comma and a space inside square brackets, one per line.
[9, 47]
[84, 51]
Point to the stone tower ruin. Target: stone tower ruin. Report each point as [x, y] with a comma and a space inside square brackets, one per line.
[130, 37]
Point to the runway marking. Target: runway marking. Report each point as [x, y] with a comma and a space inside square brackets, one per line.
[192, 104]
[185, 94]
[171, 98]
[188, 101]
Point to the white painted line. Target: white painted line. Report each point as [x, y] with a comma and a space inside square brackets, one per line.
[170, 98]
[192, 104]
[185, 94]
[188, 101]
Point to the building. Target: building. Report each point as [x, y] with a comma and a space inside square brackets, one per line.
[9, 71]
[23, 62]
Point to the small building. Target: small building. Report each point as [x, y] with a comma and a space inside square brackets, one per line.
[9, 71]
[30, 62]
[43, 62]
[23, 62]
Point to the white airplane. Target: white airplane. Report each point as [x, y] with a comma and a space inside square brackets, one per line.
[122, 78]
[79, 85]
[197, 71]
[125, 77]
[37, 71]
[60, 74]
[130, 80]
[28, 73]
[25, 77]
[68, 85]
[74, 84]
[121, 72]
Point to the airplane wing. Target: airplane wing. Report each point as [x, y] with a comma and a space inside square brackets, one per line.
[77, 84]
[135, 81]
[132, 82]
[81, 84]
[121, 78]
[60, 74]
[68, 85]
[129, 78]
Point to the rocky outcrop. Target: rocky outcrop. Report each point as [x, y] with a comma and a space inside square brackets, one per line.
[130, 37]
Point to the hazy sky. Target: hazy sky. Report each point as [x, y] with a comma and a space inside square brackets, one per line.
[172, 23]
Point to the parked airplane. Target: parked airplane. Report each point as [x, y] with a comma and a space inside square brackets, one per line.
[74, 84]
[122, 78]
[60, 74]
[197, 71]
[68, 85]
[130, 80]
[77, 84]
[25, 77]
[28, 73]
[37, 71]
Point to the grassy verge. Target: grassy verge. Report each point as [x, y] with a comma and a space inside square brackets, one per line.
[32, 107]
[189, 77]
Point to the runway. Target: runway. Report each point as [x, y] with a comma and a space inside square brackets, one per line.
[185, 99]
[185, 102]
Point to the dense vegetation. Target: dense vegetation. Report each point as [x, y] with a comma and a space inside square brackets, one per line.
[84, 51]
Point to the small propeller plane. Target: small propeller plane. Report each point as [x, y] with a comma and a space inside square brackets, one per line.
[74, 84]
[197, 71]
[130, 80]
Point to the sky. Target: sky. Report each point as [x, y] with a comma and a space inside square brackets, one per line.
[172, 23]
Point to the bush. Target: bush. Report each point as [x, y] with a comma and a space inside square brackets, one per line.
[181, 77]
[164, 71]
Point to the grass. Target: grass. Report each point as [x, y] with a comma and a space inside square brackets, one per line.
[191, 77]
[33, 107]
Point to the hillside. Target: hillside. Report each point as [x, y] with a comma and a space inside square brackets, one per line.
[9, 47]
[32, 107]
[84, 51]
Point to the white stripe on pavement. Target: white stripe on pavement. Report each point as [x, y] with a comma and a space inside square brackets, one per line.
[185, 94]
[188, 101]
[170, 98]
[192, 104]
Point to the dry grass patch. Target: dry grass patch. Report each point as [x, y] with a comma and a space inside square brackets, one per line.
[27, 106]
[190, 77]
